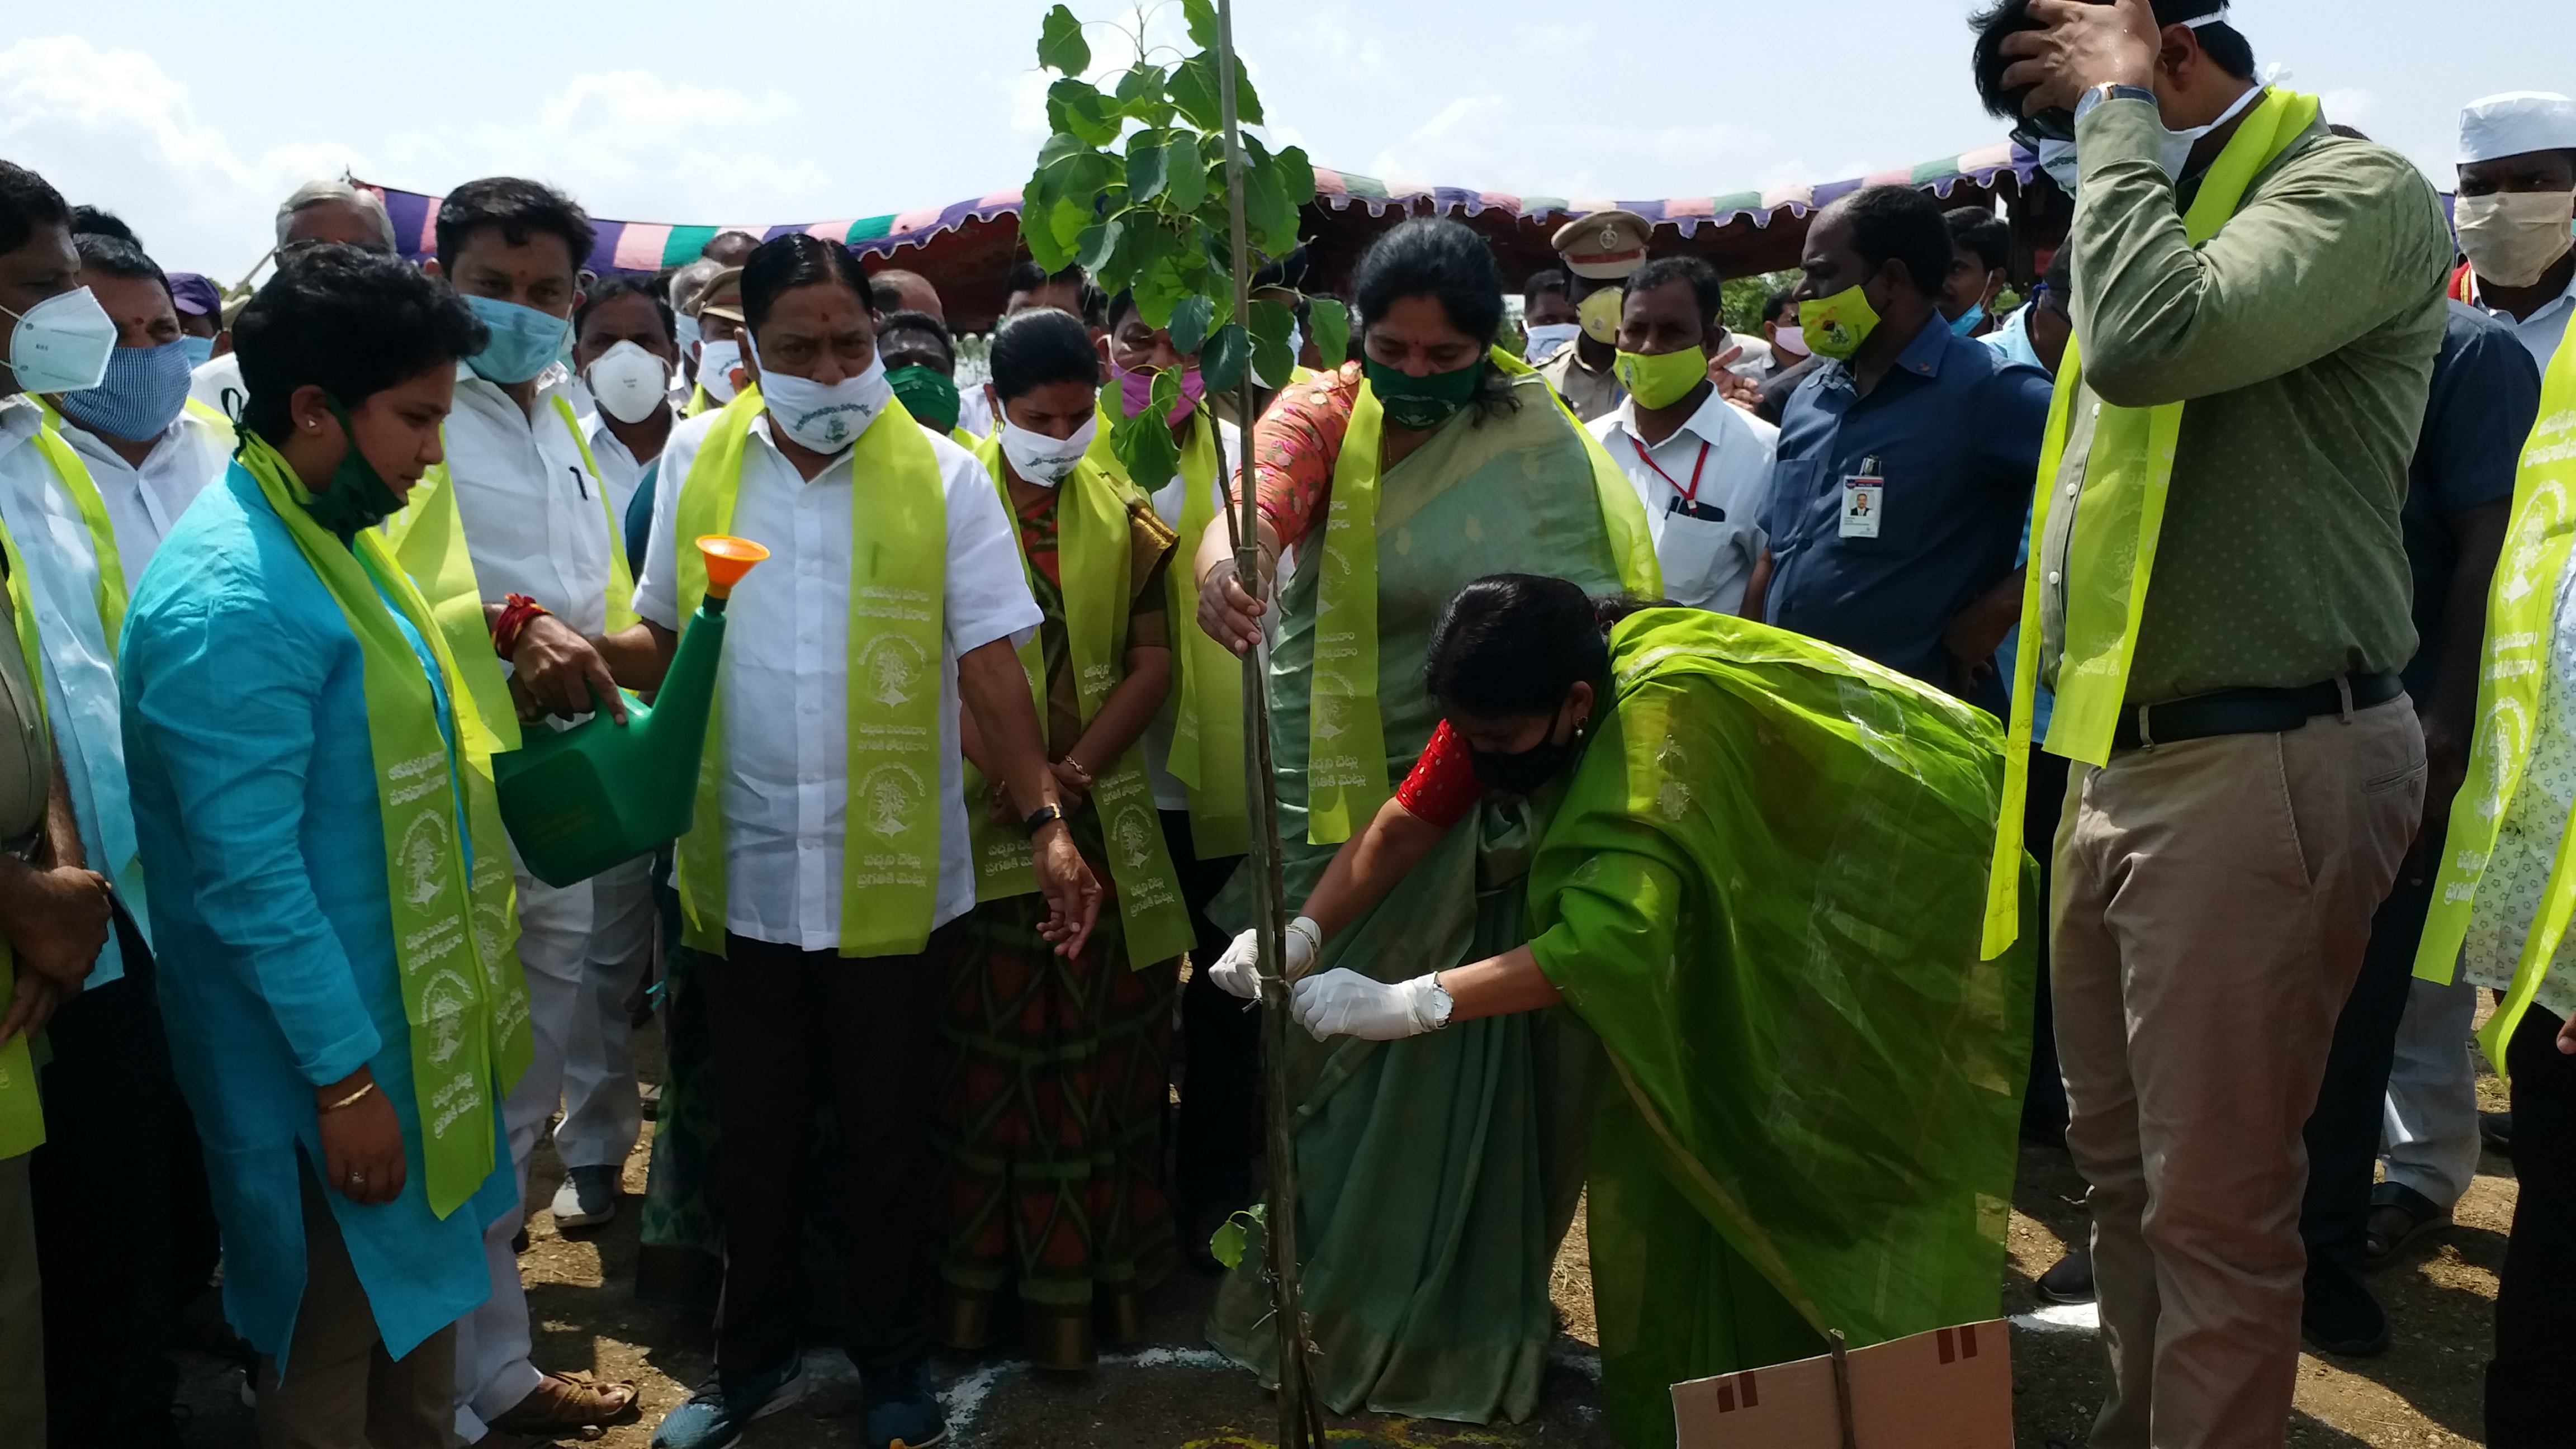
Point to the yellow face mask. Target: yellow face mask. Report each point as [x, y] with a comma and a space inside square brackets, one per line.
[1600, 314]
[1659, 380]
[1836, 326]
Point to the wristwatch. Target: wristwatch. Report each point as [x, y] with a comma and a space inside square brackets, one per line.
[2111, 91]
[1040, 818]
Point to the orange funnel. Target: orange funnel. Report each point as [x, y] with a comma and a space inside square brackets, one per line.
[728, 559]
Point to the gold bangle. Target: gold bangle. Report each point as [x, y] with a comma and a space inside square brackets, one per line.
[350, 1100]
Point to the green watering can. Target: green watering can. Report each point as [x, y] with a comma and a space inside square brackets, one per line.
[578, 801]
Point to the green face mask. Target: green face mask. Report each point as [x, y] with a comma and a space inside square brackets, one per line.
[928, 394]
[1421, 402]
[1836, 326]
[1661, 379]
[357, 496]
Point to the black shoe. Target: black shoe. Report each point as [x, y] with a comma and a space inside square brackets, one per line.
[2495, 1129]
[2071, 1281]
[902, 1413]
[2340, 1316]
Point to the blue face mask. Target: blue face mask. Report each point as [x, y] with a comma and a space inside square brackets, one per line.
[140, 397]
[1970, 320]
[201, 350]
[524, 340]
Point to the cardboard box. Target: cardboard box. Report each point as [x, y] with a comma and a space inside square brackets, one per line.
[1947, 1389]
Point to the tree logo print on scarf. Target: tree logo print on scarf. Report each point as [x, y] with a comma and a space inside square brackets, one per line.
[894, 666]
[892, 793]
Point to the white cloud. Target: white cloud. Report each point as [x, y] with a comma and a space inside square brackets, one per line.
[109, 128]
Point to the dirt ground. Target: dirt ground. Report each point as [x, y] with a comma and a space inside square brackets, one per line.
[1173, 1393]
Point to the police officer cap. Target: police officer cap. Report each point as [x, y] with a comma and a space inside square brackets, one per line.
[1605, 246]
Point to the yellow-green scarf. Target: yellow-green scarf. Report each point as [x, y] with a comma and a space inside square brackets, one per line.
[2112, 553]
[22, 1114]
[2521, 614]
[84, 493]
[453, 927]
[898, 640]
[1093, 557]
[1346, 737]
[1206, 706]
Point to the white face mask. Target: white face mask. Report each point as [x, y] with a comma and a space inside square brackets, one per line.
[716, 362]
[825, 418]
[1042, 460]
[2511, 238]
[2057, 158]
[2178, 144]
[1789, 339]
[1547, 337]
[62, 344]
[629, 382]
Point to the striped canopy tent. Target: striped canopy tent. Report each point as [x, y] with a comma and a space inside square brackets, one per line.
[966, 249]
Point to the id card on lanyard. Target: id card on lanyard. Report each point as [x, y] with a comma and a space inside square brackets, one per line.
[1864, 500]
[1685, 501]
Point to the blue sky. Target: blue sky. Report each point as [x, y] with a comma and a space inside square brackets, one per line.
[193, 120]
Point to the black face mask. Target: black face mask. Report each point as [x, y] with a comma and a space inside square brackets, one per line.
[1526, 772]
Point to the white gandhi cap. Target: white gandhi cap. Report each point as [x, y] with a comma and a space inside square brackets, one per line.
[2516, 122]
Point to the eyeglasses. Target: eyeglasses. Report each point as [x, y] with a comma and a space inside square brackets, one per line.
[2057, 124]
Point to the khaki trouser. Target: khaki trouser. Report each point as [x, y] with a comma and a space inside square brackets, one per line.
[2212, 902]
[341, 1389]
[22, 1315]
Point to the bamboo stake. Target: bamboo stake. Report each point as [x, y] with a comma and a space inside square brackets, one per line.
[1301, 1412]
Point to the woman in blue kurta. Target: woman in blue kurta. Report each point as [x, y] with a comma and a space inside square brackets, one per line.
[272, 663]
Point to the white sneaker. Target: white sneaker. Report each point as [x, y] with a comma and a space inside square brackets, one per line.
[587, 1198]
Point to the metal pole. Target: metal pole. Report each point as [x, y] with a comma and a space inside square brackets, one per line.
[1301, 1414]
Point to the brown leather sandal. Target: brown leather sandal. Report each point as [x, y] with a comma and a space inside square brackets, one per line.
[564, 1402]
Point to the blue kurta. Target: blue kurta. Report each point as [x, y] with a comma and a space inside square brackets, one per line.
[254, 794]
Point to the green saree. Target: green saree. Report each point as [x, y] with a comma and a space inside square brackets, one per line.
[1764, 892]
[1437, 1174]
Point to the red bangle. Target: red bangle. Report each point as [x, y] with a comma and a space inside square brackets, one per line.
[516, 611]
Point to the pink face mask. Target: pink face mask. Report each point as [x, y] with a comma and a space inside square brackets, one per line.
[1136, 391]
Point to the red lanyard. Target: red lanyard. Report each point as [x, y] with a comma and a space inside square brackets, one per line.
[1689, 495]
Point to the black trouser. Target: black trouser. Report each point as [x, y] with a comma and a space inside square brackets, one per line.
[103, 1185]
[792, 1031]
[2043, 1107]
[2527, 1383]
[1220, 1050]
[2344, 1130]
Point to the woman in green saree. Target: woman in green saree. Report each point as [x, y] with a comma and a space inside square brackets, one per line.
[1438, 1174]
[1760, 885]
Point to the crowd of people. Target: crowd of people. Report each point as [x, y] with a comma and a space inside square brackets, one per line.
[1738, 782]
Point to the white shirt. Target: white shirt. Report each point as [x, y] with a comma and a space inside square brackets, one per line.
[974, 410]
[784, 680]
[534, 522]
[1169, 793]
[217, 382]
[1706, 562]
[81, 694]
[2542, 331]
[143, 502]
[619, 468]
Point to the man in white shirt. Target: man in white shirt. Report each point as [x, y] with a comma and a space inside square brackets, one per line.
[86, 492]
[536, 525]
[1701, 465]
[816, 868]
[626, 347]
[2517, 194]
[318, 211]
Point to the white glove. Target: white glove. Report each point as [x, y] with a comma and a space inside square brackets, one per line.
[1344, 1003]
[1237, 972]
